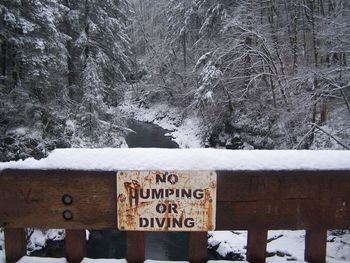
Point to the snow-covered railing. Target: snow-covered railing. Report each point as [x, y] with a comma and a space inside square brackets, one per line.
[314, 196]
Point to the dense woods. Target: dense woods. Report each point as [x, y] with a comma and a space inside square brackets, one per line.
[269, 73]
[62, 68]
[265, 74]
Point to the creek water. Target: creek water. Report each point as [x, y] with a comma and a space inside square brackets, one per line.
[159, 246]
[148, 135]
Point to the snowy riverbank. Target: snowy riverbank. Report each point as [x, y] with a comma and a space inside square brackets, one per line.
[186, 131]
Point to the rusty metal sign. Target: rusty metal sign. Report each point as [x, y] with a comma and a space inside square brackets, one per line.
[166, 200]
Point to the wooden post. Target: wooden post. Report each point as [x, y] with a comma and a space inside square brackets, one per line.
[15, 244]
[135, 247]
[316, 245]
[256, 245]
[75, 245]
[197, 250]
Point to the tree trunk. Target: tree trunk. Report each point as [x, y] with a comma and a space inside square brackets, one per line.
[3, 60]
[184, 50]
[87, 30]
[70, 57]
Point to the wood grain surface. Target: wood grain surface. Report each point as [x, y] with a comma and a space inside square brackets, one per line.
[197, 250]
[16, 244]
[283, 200]
[256, 245]
[316, 245]
[135, 247]
[75, 245]
[34, 199]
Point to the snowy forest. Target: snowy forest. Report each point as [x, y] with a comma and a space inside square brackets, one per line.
[257, 74]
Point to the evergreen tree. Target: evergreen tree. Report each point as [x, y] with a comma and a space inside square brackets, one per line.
[105, 60]
[31, 70]
[62, 72]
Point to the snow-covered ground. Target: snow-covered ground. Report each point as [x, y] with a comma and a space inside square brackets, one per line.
[186, 131]
[282, 246]
[38, 238]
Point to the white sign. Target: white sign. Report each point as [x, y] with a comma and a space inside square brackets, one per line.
[166, 200]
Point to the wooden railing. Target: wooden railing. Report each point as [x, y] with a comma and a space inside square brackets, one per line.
[256, 201]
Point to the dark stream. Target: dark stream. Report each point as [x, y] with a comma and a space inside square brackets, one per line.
[159, 246]
[148, 135]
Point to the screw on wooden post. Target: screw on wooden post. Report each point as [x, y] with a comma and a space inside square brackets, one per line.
[15, 244]
[197, 250]
[75, 245]
[256, 245]
[135, 247]
[316, 245]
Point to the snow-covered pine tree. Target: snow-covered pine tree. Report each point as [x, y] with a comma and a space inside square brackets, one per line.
[104, 61]
[58, 57]
[32, 71]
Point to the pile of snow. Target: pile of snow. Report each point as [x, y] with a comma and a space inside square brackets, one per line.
[338, 246]
[228, 244]
[38, 238]
[185, 159]
[286, 246]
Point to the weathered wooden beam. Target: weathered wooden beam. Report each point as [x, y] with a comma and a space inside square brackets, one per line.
[245, 200]
[35, 199]
[197, 250]
[316, 245]
[75, 245]
[256, 245]
[15, 244]
[283, 200]
[135, 247]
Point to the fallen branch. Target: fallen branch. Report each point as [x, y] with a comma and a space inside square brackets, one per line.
[331, 136]
[274, 238]
[304, 138]
[345, 100]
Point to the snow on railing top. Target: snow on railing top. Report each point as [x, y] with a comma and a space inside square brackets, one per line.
[185, 159]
